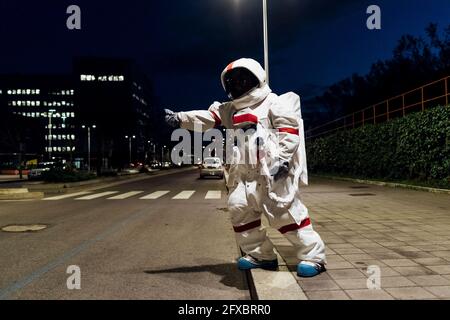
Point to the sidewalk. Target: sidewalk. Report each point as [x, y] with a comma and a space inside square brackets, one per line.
[12, 178]
[404, 232]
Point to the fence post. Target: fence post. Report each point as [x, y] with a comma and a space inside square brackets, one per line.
[403, 104]
[446, 91]
[423, 104]
[374, 115]
[387, 110]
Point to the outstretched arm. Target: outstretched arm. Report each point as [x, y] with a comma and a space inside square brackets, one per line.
[199, 120]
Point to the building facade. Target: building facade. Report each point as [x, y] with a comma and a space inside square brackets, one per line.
[101, 111]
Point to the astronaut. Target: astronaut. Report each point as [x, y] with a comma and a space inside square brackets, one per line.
[269, 186]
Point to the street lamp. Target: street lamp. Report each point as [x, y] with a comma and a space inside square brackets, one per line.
[129, 144]
[266, 40]
[50, 115]
[162, 154]
[89, 143]
[153, 145]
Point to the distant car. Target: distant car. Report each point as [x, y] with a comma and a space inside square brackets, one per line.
[211, 167]
[36, 173]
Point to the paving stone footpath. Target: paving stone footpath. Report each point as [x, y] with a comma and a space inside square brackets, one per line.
[404, 233]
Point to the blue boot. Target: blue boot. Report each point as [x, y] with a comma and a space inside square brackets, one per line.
[248, 262]
[306, 269]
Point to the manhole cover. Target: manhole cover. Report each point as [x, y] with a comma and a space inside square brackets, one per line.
[24, 228]
[362, 194]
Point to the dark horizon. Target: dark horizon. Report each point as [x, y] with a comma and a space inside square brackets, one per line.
[184, 47]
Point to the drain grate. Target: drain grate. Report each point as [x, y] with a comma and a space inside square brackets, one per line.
[24, 228]
[362, 194]
[359, 187]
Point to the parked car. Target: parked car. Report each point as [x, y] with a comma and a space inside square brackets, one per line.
[211, 167]
[36, 173]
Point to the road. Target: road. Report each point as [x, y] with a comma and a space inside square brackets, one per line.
[176, 243]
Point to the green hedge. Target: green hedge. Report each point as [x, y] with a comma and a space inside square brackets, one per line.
[66, 175]
[414, 148]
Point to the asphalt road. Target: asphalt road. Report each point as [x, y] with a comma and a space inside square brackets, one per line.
[126, 248]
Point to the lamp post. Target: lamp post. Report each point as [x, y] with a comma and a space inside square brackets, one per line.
[162, 154]
[129, 144]
[153, 149]
[50, 116]
[266, 40]
[89, 143]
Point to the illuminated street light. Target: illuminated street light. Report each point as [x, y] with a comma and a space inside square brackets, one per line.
[50, 115]
[129, 144]
[89, 143]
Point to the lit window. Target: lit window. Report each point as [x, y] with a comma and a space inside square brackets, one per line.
[121, 78]
[28, 91]
[38, 103]
[83, 77]
[14, 103]
[9, 92]
[38, 91]
[72, 92]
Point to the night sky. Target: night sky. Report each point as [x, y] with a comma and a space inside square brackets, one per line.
[184, 45]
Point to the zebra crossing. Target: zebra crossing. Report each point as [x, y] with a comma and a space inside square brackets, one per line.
[138, 194]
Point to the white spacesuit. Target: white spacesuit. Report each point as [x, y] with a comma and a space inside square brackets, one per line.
[271, 185]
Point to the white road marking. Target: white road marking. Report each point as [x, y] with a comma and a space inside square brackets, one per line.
[184, 195]
[155, 195]
[125, 195]
[213, 195]
[65, 196]
[97, 195]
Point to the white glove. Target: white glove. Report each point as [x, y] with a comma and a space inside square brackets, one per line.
[172, 118]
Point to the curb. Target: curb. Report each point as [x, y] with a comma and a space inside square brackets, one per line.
[22, 196]
[19, 194]
[385, 184]
[274, 285]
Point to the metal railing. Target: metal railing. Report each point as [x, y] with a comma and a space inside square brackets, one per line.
[418, 99]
